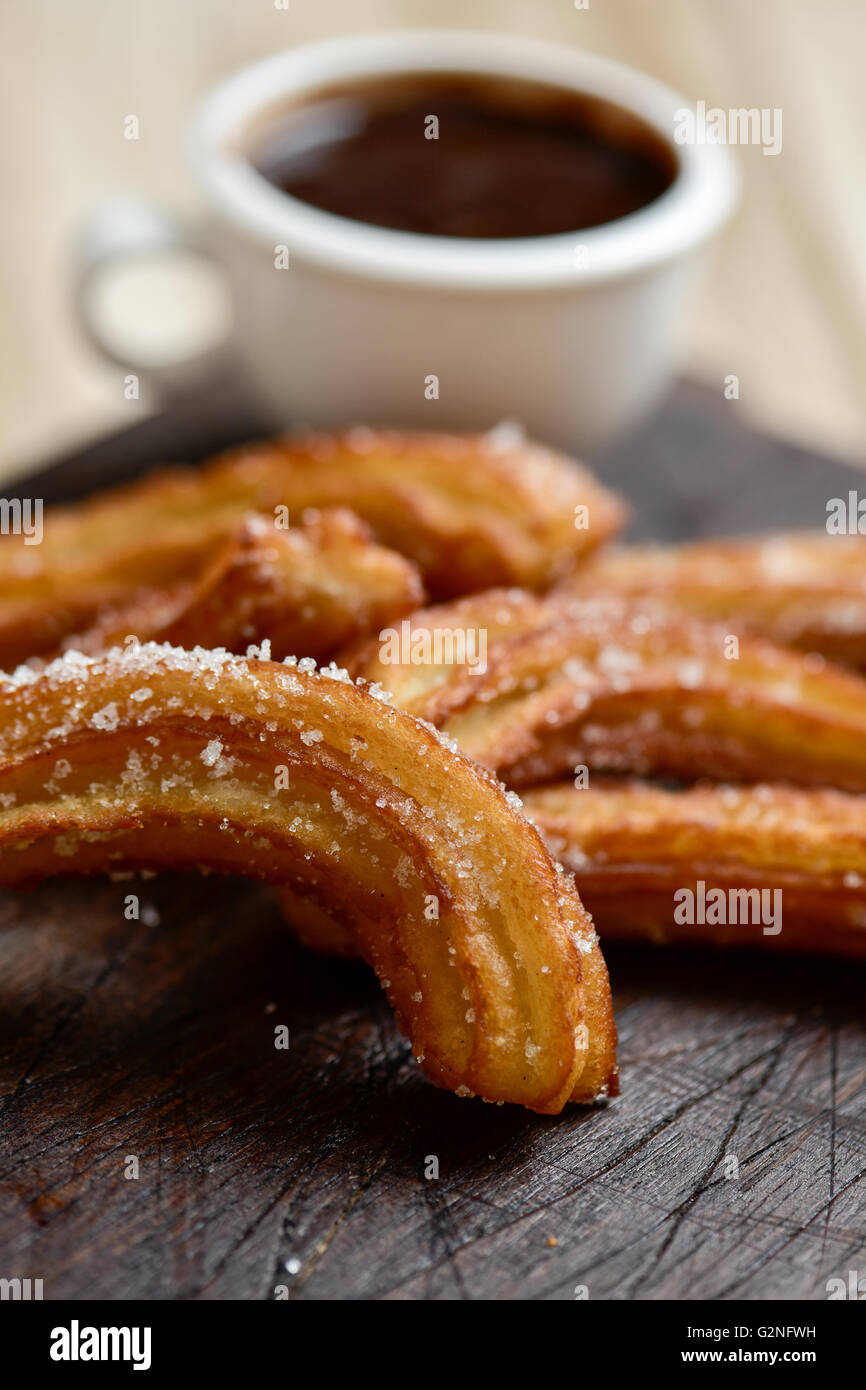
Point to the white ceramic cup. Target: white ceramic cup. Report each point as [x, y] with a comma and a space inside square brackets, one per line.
[571, 335]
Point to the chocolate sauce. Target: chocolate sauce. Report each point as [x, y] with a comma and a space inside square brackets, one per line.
[466, 156]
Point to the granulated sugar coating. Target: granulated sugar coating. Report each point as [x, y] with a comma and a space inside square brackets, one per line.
[805, 589]
[153, 757]
[620, 685]
[781, 868]
[468, 510]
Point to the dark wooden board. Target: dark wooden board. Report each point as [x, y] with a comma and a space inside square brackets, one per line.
[305, 1168]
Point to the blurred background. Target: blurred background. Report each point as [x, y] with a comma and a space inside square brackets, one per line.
[783, 305]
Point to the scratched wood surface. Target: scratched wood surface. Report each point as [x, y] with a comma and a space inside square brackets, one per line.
[304, 1169]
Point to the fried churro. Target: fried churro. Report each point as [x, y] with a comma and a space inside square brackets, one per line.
[153, 757]
[306, 590]
[768, 866]
[805, 589]
[620, 686]
[470, 510]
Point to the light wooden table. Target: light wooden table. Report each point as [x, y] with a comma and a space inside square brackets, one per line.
[784, 305]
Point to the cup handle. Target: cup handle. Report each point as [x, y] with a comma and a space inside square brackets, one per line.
[129, 231]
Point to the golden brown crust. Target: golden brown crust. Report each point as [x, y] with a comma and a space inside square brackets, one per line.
[618, 686]
[470, 510]
[632, 846]
[315, 928]
[307, 590]
[154, 757]
[803, 589]
[320, 931]
[36, 627]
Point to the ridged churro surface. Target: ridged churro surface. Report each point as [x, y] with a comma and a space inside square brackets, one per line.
[617, 685]
[154, 757]
[634, 847]
[804, 589]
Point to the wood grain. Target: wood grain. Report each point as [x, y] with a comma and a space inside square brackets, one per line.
[305, 1168]
[123, 1039]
